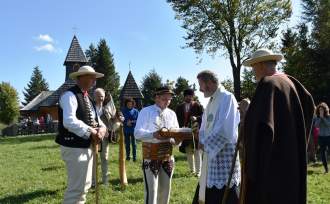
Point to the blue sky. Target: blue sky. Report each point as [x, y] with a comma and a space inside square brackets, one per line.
[144, 32]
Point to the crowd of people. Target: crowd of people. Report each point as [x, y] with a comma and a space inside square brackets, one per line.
[36, 124]
[251, 152]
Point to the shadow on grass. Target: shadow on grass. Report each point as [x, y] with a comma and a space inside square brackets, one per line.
[315, 165]
[52, 168]
[23, 198]
[29, 138]
[131, 181]
[180, 157]
[311, 172]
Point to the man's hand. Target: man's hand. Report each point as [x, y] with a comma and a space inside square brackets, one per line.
[102, 131]
[95, 136]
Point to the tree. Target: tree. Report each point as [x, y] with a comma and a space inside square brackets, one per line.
[228, 85]
[103, 62]
[248, 84]
[36, 85]
[234, 27]
[303, 49]
[320, 15]
[150, 83]
[181, 84]
[91, 54]
[9, 105]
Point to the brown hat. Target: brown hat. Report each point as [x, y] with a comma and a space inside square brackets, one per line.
[163, 90]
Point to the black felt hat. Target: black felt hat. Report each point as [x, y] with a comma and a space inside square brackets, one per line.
[188, 92]
[163, 90]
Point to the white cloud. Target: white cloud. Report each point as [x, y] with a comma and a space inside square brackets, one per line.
[45, 38]
[46, 44]
[47, 47]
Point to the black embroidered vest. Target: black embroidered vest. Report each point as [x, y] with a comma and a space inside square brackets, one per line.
[67, 138]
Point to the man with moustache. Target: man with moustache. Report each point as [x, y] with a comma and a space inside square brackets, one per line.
[79, 126]
[185, 111]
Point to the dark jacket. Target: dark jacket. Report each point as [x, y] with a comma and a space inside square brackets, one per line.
[196, 110]
[276, 129]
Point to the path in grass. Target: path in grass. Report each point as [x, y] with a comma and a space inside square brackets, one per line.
[32, 172]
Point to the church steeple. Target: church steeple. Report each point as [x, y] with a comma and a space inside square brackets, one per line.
[131, 89]
[75, 58]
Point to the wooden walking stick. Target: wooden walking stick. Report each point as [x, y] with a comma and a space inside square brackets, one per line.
[122, 167]
[95, 160]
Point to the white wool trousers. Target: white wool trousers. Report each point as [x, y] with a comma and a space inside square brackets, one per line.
[157, 178]
[194, 158]
[79, 164]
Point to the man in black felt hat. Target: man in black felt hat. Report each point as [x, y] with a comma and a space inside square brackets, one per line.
[187, 112]
[158, 161]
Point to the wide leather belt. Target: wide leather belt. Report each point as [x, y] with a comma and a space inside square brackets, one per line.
[157, 151]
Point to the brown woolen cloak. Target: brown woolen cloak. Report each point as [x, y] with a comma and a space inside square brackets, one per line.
[276, 131]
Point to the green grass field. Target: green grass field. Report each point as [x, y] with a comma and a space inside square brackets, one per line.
[32, 172]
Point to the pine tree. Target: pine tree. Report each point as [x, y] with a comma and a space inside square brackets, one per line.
[9, 106]
[150, 83]
[104, 63]
[91, 54]
[36, 85]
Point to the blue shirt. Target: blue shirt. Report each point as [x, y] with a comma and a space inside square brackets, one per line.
[132, 115]
[323, 124]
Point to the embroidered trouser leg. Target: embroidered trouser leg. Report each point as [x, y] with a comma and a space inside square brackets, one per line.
[157, 176]
[79, 163]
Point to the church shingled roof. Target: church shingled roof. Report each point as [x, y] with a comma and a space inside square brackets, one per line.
[35, 103]
[130, 88]
[52, 100]
[75, 53]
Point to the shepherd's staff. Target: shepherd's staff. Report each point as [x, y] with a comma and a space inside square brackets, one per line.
[95, 161]
[122, 167]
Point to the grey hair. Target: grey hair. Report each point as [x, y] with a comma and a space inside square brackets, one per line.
[208, 75]
[99, 90]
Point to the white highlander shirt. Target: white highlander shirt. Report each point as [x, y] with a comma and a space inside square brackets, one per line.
[150, 120]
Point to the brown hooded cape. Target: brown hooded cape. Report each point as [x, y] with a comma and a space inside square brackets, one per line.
[276, 131]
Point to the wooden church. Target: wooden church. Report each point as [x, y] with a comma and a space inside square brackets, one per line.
[47, 101]
[131, 89]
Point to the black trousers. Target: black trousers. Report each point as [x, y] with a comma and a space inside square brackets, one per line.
[324, 142]
[214, 195]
